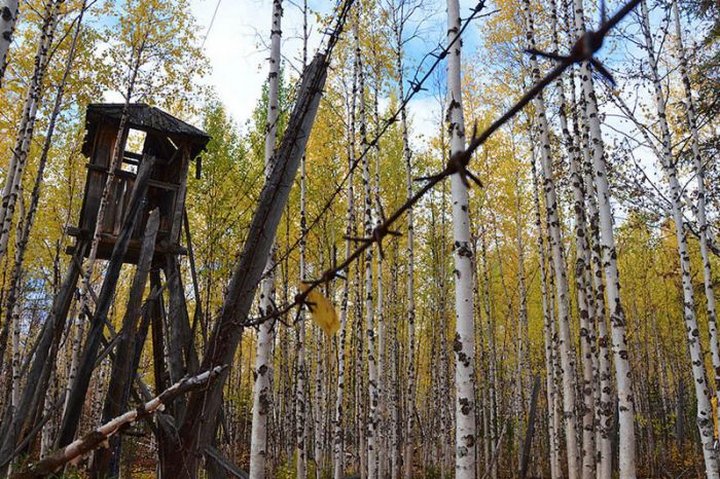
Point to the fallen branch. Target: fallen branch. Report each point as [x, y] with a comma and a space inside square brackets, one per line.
[98, 438]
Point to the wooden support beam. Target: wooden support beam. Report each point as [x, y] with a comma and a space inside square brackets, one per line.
[179, 207]
[215, 456]
[79, 388]
[106, 463]
[91, 441]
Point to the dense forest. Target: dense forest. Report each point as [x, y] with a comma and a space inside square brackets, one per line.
[450, 239]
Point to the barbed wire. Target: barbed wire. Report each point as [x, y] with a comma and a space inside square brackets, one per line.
[583, 50]
[416, 86]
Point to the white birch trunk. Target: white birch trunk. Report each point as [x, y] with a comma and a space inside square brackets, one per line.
[338, 432]
[369, 312]
[702, 392]
[78, 337]
[8, 18]
[262, 392]
[583, 285]
[548, 333]
[380, 405]
[702, 223]
[18, 161]
[605, 406]
[464, 342]
[558, 260]
[410, 313]
[626, 407]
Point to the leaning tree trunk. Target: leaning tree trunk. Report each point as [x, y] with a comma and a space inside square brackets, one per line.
[702, 224]
[8, 18]
[702, 393]
[262, 392]
[626, 407]
[29, 219]
[198, 428]
[558, 260]
[464, 343]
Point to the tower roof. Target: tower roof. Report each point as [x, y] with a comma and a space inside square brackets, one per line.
[145, 118]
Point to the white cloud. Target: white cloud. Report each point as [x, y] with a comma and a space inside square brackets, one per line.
[236, 47]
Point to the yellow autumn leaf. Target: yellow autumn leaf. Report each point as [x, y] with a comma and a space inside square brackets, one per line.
[322, 311]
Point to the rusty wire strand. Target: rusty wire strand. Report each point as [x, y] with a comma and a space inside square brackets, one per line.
[583, 50]
[416, 86]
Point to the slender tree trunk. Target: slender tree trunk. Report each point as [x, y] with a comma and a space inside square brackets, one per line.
[699, 170]
[702, 393]
[9, 11]
[338, 430]
[18, 161]
[558, 260]
[368, 260]
[583, 285]
[626, 406]
[464, 342]
[605, 401]
[262, 393]
[523, 360]
[38, 373]
[548, 333]
[380, 403]
[493, 379]
[25, 227]
[398, 26]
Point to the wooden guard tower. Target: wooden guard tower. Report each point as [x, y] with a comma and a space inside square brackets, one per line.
[148, 131]
[141, 224]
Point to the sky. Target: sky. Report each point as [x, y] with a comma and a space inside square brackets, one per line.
[236, 49]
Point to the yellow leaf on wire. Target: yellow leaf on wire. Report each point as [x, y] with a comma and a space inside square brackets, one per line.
[321, 310]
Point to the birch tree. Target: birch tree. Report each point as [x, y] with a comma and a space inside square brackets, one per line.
[463, 344]
[9, 11]
[701, 215]
[338, 429]
[558, 261]
[262, 394]
[626, 408]
[668, 161]
[26, 129]
[583, 285]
